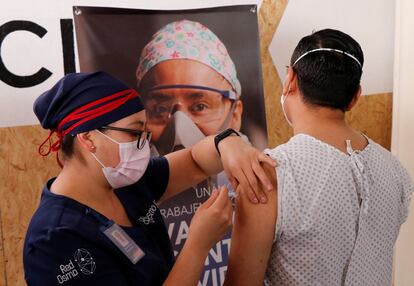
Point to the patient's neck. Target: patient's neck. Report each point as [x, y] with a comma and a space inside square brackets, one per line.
[317, 119]
[327, 125]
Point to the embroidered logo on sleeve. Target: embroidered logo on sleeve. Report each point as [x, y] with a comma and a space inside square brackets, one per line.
[84, 261]
[149, 217]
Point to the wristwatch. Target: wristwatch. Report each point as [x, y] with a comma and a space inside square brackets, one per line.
[224, 134]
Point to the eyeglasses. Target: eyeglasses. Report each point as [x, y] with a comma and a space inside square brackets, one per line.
[202, 104]
[142, 136]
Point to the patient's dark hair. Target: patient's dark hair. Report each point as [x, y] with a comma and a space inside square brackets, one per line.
[327, 78]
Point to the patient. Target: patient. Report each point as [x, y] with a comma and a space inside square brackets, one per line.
[341, 197]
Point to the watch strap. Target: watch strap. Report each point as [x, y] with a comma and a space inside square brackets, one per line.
[224, 134]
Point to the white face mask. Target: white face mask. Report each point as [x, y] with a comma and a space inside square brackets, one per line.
[132, 165]
[282, 102]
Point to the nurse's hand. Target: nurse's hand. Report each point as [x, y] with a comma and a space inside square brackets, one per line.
[211, 220]
[209, 224]
[242, 164]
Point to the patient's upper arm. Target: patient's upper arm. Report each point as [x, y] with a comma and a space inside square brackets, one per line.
[252, 238]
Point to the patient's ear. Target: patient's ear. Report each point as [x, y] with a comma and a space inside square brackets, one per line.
[354, 99]
[290, 83]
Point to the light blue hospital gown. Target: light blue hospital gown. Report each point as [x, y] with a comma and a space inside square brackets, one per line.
[338, 214]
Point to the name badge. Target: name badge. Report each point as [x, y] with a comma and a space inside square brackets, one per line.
[124, 243]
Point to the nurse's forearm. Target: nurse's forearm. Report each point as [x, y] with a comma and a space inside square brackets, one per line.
[205, 154]
[187, 269]
[189, 167]
[185, 172]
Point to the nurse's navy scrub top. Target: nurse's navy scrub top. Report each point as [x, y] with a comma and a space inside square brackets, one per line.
[65, 246]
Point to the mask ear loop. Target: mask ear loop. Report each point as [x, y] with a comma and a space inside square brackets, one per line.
[328, 50]
[282, 102]
[99, 161]
[96, 158]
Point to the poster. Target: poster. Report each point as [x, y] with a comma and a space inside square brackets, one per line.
[198, 73]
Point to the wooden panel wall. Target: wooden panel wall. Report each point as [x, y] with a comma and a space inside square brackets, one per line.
[2, 256]
[373, 116]
[23, 172]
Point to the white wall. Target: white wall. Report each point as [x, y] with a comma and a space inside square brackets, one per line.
[24, 53]
[403, 130]
[370, 22]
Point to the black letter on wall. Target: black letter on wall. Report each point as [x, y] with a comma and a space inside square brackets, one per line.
[10, 78]
[68, 45]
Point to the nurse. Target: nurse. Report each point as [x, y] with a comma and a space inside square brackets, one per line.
[98, 222]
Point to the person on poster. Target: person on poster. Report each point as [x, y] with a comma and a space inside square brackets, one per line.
[190, 88]
[341, 198]
[98, 222]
